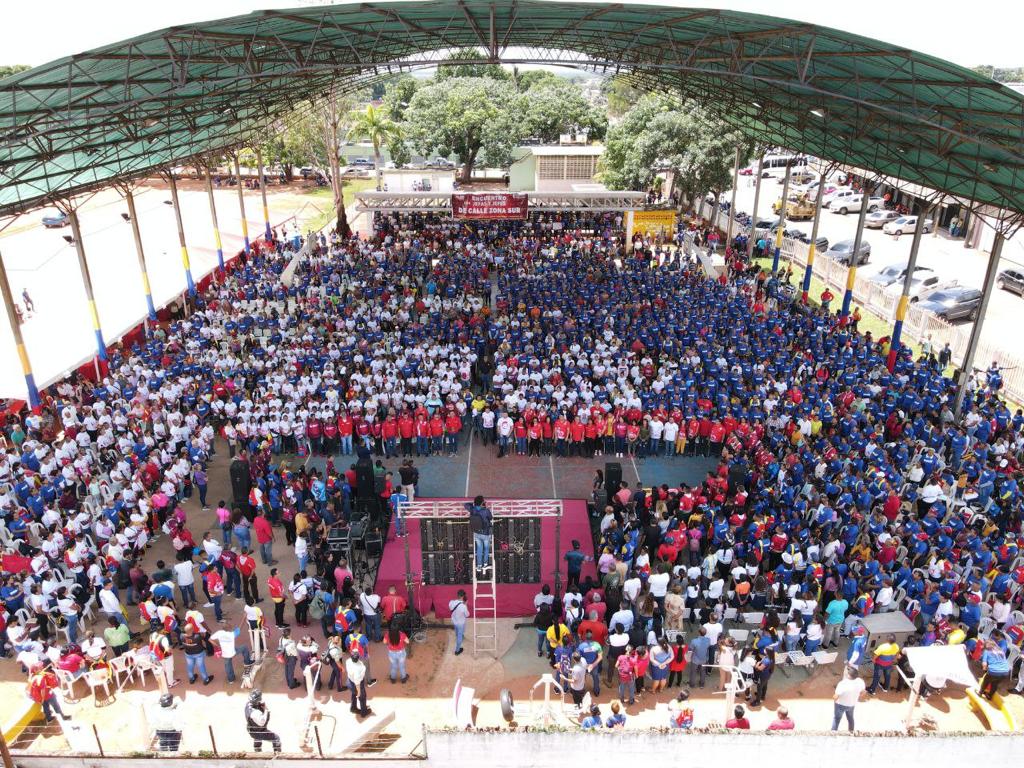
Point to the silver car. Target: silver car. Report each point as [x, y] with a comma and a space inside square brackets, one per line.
[879, 219]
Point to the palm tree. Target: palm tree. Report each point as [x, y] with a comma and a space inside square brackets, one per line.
[374, 124]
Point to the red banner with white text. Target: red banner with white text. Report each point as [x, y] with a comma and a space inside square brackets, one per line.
[489, 205]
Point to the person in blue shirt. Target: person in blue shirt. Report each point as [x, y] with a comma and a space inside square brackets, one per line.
[593, 720]
[996, 665]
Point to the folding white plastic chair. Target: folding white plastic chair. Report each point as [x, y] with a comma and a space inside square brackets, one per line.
[98, 678]
[739, 635]
[800, 659]
[123, 669]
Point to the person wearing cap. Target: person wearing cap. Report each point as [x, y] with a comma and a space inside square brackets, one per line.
[257, 723]
[165, 721]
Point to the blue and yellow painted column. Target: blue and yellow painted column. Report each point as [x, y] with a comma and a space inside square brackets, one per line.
[904, 304]
[753, 216]
[263, 193]
[83, 265]
[782, 221]
[858, 239]
[189, 282]
[134, 221]
[813, 250]
[241, 205]
[32, 392]
[213, 218]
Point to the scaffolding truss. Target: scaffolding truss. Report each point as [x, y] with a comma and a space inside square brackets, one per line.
[441, 202]
[423, 509]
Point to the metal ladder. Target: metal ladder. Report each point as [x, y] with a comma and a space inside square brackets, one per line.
[485, 610]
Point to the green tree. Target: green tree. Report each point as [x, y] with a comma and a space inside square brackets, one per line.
[6, 70]
[450, 67]
[697, 148]
[557, 107]
[374, 124]
[620, 94]
[531, 78]
[398, 96]
[475, 118]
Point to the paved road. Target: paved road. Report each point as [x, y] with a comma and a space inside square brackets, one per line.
[59, 333]
[947, 256]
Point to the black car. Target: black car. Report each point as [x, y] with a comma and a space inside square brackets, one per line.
[1011, 280]
[820, 245]
[959, 303]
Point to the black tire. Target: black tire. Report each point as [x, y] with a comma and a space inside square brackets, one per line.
[842, 211]
[508, 707]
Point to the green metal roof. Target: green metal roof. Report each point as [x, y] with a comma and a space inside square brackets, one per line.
[159, 99]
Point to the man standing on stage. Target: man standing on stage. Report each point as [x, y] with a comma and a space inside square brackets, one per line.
[480, 524]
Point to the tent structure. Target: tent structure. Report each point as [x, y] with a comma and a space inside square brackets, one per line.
[158, 100]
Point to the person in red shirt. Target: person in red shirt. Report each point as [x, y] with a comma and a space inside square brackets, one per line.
[389, 434]
[362, 430]
[534, 434]
[452, 428]
[547, 431]
[247, 571]
[264, 537]
[593, 624]
[330, 429]
[314, 434]
[406, 431]
[422, 435]
[436, 433]
[561, 434]
[391, 604]
[716, 436]
[345, 428]
[41, 687]
[576, 433]
[276, 591]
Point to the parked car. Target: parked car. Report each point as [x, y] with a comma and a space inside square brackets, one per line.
[837, 195]
[799, 177]
[853, 204]
[351, 172]
[1011, 280]
[746, 171]
[879, 219]
[55, 219]
[894, 273]
[905, 225]
[960, 303]
[843, 250]
[922, 286]
[820, 245]
[440, 162]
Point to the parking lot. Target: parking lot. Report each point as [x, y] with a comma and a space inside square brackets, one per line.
[946, 255]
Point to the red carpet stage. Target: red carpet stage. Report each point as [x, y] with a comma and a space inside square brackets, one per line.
[524, 554]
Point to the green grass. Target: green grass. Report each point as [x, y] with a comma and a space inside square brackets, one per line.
[349, 190]
[869, 321]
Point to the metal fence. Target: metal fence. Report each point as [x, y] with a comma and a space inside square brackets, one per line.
[918, 325]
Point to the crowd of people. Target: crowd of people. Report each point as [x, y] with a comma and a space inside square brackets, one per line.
[841, 488]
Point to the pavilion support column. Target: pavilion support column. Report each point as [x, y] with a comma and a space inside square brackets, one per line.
[858, 238]
[133, 219]
[83, 266]
[972, 344]
[263, 194]
[732, 203]
[753, 215]
[241, 206]
[189, 282]
[782, 221]
[213, 218]
[813, 250]
[901, 308]
[19, 341]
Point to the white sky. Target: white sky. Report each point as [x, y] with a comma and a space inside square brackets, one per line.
[967, 33]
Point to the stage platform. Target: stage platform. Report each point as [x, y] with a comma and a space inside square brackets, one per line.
[514, 599]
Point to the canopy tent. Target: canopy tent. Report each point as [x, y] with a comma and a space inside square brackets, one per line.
[941, 663]
[161, 99]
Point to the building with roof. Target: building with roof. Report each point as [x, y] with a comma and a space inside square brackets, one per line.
[556, 168]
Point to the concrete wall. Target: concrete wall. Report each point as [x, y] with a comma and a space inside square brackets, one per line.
[522, 174]
[506, 749]
[634, 748]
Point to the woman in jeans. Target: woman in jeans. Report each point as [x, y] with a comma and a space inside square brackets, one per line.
[195, 656]
[396, 642]
[242, 529]
[336, 655]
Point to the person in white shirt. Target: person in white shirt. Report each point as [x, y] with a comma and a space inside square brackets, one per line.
[714, 631]
[227, 641]
[185, 579]
[848, 692]
[109, 603]
[460, 615]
